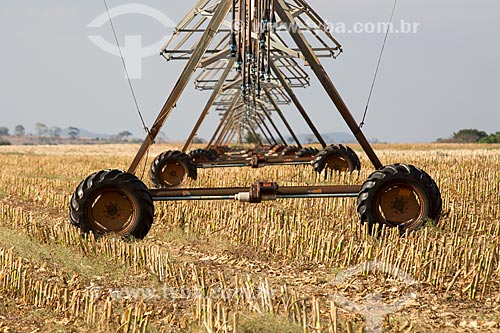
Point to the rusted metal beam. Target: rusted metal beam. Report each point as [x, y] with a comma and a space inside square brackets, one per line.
[261, 130]
[273, 124]
[297, 103]
[214, 58]
[228, 113]
[209, 104]
[223, 133]
[282, 116]
[262, 121]
[283, 11]
[216, 22]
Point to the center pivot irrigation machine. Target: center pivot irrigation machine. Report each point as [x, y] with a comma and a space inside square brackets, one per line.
[247, 106]
[251, 116]
[249, 52]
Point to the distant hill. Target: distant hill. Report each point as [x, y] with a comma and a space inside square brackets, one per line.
[85, 134]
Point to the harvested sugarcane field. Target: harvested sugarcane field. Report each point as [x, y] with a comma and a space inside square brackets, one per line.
[295, 265]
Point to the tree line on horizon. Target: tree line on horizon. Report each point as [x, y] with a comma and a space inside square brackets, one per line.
[41, 130]
[45, 134]
[471, 136]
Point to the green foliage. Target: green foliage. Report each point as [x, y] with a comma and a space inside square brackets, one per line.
[469, 136]
[492, 138]
[250, 138]
[466, 136]
[4, 142]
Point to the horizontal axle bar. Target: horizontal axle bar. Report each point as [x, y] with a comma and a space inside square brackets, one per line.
[255, 163]
[256, 193]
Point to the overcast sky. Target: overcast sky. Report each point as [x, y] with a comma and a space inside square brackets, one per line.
[443, 78]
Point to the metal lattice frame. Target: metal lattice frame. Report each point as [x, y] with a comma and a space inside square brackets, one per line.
[210, 19]
[187, 33]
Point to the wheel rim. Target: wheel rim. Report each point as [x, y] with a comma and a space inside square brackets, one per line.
[401, 205]
[173, 174]
[112, 211]
[337, 163]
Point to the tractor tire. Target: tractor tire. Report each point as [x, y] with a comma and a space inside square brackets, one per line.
[112, 202]
[171, 169]
[290, 151]
[307, 152]
[214, 153]
[202, 155]
[401, 196]
[336, 158]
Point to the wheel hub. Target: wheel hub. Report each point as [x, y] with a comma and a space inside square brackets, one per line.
[400, 204]
[173, 174]
[111, 211]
